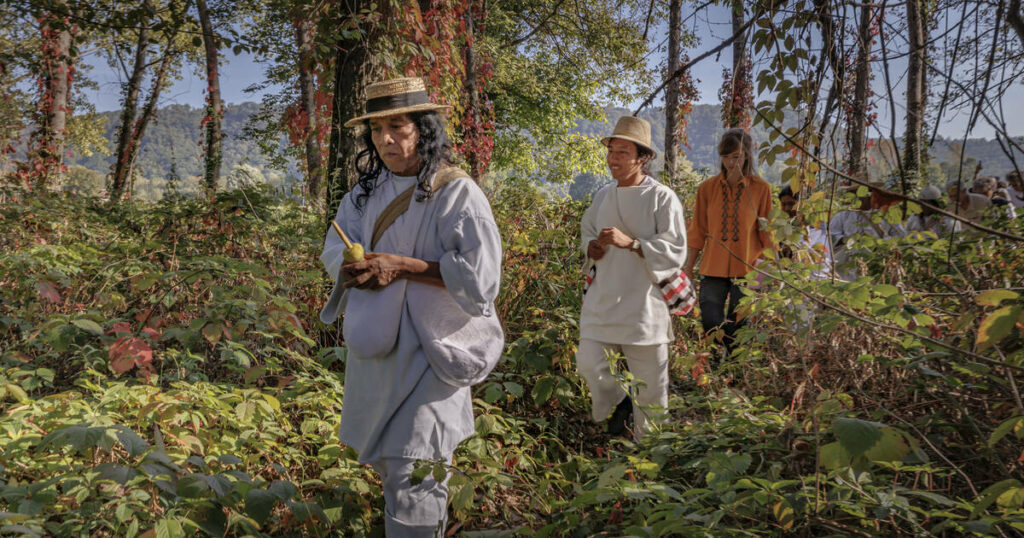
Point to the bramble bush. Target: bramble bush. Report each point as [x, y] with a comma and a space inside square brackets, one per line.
[164, 373]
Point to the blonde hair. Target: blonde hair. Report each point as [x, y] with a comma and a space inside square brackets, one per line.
[735, 139]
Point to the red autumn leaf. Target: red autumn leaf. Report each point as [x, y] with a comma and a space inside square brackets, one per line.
[127, 352]
[154, 334]
[48, 291]
[120, 328]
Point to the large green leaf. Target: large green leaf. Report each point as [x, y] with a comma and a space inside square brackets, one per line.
[997, 325]
[259, 503]
[857, 436]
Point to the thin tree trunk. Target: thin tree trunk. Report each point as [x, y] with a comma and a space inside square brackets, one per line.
[739, 74]
[149, 109]
[829, 50]
[126, 139]
[672, 92]
[858, 117]
[54, 105]
[214, 105]
[307, 91]
[1016, 19]
[473, 91]
[915, 97]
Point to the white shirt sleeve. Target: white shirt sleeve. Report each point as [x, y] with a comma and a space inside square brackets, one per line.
[471, 263]
[665, 252]
[588, 223]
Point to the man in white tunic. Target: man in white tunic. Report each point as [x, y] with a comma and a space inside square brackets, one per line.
[635, 235]
[420, 323]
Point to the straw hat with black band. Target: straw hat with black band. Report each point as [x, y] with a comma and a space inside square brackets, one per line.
[396, 96]
[632, 129]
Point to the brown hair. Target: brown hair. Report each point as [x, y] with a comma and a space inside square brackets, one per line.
[735, 139]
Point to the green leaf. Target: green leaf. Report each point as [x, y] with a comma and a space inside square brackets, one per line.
[169, 528]
[856, 436]
[259, 503]
[192, 487]
[997, 325]
[88, 326]
[543, 389]
[419, 474]
[1008, 425]
[994, 297]
[440, 472]
[991, 494]
[135, 445]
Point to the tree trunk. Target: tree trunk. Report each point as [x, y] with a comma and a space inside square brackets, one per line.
[214, 106]
[739, 71]
[473, 91]
[672, 92]
[307, 91]
[47, 158]
[829, 50]
[126, 139]
[149, 109]
[915, 98]
[858, 116]
[351, 75]
[1016, 19]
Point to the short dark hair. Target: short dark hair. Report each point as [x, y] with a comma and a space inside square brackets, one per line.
[644, 152]
[788, 191]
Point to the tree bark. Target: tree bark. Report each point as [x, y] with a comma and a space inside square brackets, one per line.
[915, 97]
[307, 100]
[739, 56]
[126, 139]
[47, 158]
[829, 50]
[473, 91]
[1016, 19]
[149, 109]
[214, 105]
[858, 116]
[672, 92]
[351, 75]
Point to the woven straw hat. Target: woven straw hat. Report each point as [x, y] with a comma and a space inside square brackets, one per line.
[632, 129]
[396, 96]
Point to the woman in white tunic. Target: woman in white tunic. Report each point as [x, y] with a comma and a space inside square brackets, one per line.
[634, 232]
[420, 324]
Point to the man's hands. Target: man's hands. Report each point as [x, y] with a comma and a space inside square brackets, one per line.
[375, 272]
[608, 236]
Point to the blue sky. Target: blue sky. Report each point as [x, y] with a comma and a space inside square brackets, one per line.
[711, 25]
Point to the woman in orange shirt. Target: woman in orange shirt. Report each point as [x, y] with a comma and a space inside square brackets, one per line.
[725, 227]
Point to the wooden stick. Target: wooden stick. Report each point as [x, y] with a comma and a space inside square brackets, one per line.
[348, 244]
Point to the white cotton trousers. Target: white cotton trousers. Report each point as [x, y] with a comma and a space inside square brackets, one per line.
[647, 363]
[419, 511]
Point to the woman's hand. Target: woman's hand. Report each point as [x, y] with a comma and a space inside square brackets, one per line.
[595, 250]
[376, 271]
[615, 237]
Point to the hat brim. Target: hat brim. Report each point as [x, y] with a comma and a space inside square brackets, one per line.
[606, 140]
[425, 107]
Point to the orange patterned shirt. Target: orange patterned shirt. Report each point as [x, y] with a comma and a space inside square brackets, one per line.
[725, 226]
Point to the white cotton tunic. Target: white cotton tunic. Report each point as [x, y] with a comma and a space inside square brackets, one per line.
[623, 304]
[396, 403]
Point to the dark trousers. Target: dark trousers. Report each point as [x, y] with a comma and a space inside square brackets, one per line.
[715, 291]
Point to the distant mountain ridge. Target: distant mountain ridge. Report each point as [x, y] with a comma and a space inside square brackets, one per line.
[173, 140]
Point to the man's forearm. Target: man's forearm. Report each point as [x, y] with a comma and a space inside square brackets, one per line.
[419, 270]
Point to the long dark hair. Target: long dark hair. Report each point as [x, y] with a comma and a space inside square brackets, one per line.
[735, 139]
[432, 147]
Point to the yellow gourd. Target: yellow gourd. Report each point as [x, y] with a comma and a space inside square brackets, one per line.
[353, 251]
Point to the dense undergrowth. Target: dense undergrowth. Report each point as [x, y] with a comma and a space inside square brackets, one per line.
[164, 374]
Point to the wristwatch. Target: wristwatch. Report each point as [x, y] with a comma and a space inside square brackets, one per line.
[635, 247]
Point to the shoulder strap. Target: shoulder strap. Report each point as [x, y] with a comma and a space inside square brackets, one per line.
[400, 204]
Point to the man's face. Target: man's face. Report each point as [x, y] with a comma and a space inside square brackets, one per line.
[623, 159]
[788, 204]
